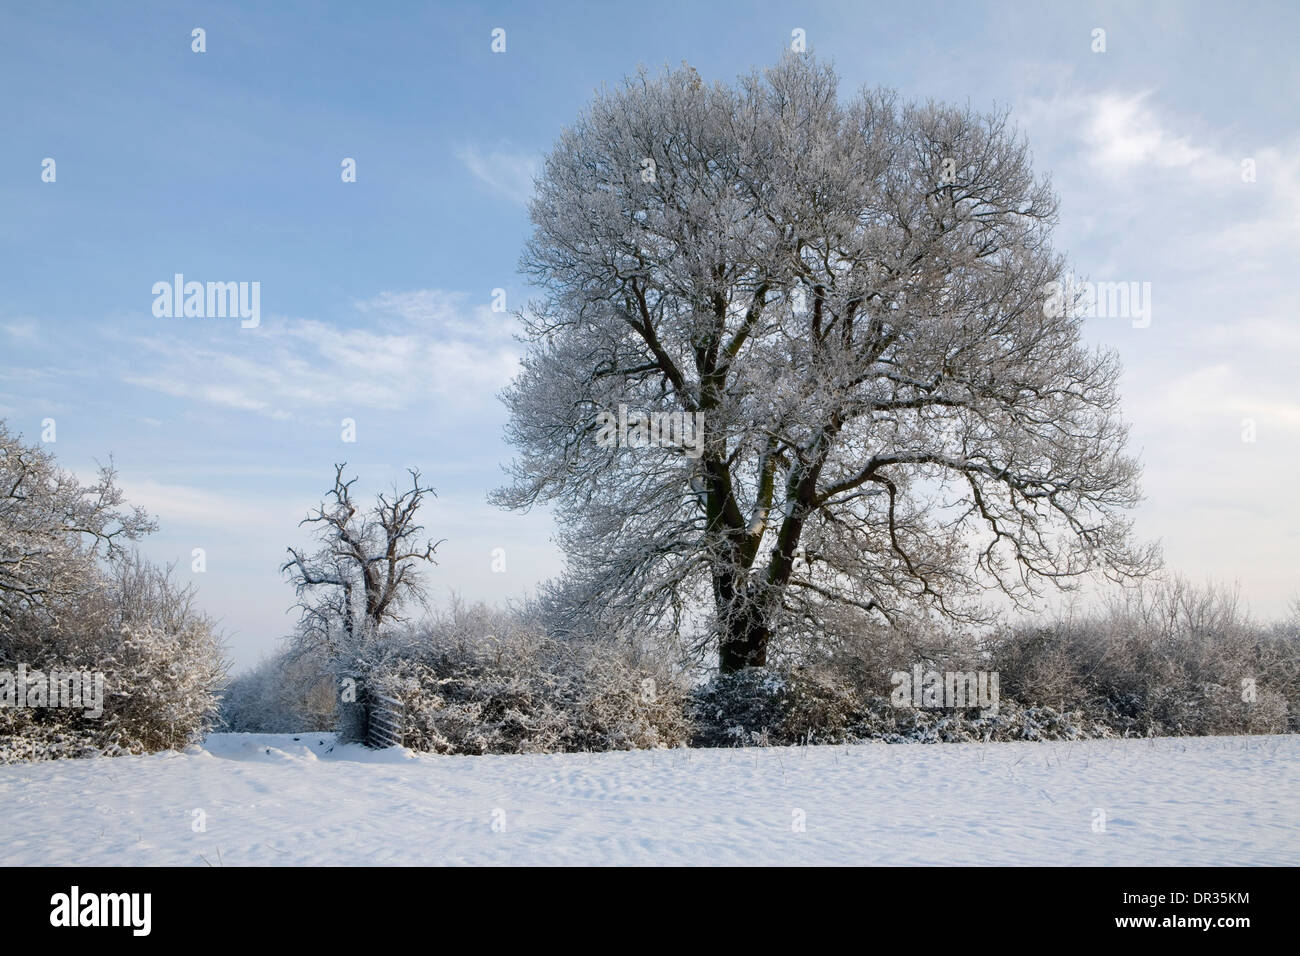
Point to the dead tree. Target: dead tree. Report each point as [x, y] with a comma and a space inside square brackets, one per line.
[366, 568]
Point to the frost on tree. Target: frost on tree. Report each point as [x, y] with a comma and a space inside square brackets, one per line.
[851, 296]
[364, 570]
[74, 598]
[53, 529]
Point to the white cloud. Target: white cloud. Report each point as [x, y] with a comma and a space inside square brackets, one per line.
[22, 329]
[507, 174]
[1158, 193]
[185, 386]
[414, 347]
[1117, 132]
[194, 507]
[1263, 334]
[1123, 131]
[1215, 390]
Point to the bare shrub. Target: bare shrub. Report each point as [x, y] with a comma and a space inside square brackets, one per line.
[161, 659]
[1164, 658]
[771, 706]
[288, 692]
[476, 680]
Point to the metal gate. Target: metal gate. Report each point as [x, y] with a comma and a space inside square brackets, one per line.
[386, 725]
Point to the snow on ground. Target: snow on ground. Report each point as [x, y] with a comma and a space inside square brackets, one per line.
[301, 800]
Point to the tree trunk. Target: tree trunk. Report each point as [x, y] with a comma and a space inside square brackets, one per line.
[743, 643]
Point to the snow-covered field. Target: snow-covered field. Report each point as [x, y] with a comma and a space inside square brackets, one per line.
[284, 799]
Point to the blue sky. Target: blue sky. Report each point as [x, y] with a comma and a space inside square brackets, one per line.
[376, 295]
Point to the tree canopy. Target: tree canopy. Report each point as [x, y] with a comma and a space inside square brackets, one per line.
[849, 298]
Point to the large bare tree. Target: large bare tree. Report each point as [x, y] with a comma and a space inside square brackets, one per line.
[850, 297]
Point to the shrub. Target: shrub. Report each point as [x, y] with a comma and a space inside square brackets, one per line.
[1167, 659]
[72, 598]
[288, 692]
[775, 707]
[478, 681]
[161, 661]
[770, 706]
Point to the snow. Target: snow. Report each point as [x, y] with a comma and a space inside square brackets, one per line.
[276, 799]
